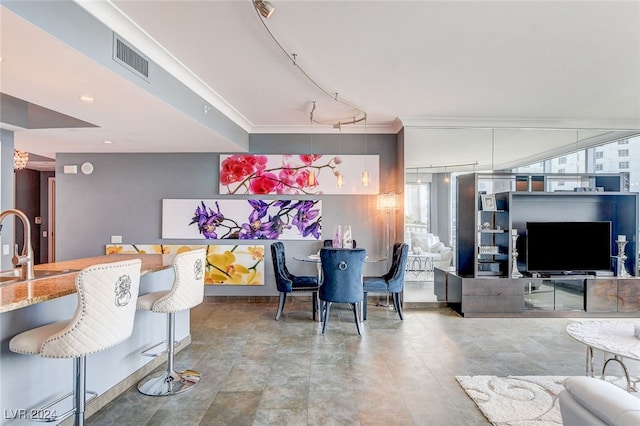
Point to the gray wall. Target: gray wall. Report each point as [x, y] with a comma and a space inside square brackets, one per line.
[124, 196]
[6, 193]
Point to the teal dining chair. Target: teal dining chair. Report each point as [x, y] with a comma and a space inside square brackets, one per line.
[286, 282]
[342, 282]
[392, 282]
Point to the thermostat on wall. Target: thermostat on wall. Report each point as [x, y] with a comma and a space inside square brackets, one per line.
[87, 168]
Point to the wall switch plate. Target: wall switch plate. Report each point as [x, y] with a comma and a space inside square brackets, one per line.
[70, 169]
[116, 239]
[5, 249]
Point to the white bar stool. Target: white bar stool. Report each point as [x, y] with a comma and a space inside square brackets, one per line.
[187, 292]
[104, 318]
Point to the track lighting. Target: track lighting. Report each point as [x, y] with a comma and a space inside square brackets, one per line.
[264, 7]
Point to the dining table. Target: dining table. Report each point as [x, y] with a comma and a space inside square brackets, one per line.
[315, 258]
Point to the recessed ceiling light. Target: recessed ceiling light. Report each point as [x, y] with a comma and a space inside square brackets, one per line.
[107, 142]
[86, 98]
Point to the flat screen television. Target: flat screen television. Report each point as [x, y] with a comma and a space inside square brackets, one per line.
[568, 247]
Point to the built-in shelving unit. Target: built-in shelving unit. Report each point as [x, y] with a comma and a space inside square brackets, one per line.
[590, 198]
[493, 247]
[484, 281]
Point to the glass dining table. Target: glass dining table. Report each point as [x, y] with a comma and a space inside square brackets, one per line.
[315, 258]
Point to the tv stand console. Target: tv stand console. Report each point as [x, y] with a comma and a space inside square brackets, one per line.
[588, 296]
[565, 276]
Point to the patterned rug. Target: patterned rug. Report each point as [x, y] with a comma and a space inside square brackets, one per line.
[518, 400]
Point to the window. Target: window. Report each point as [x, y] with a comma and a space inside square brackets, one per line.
[561, 170]
[623, 153]
[599, 167]
[623, 165]
[562, 160]
[623, 142]
[599, 155]
[416, 207]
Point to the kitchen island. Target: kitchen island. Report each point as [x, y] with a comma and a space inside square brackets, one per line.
[29, 381]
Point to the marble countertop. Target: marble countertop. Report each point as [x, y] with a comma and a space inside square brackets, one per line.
[17, 295]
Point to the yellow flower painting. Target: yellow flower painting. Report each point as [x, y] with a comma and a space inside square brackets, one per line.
[225, 264]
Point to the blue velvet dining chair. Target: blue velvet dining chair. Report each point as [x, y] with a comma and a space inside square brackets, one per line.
[286, 282]
[342, 282]
[391, 282]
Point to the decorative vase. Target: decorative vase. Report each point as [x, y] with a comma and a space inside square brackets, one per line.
[347, 240]
[337, 236]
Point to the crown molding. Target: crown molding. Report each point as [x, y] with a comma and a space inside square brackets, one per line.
[519, 123]
[326, 129]
[111, 16]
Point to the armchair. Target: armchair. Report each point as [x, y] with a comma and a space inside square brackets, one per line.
[342, 283]
[391, 282]
[286, 282]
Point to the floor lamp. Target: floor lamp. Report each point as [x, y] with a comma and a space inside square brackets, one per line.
[387, 202]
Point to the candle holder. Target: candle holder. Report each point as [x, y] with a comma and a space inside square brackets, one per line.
[621, 269]
[515, 273]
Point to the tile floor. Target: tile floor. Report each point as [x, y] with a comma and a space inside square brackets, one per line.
[257, 371]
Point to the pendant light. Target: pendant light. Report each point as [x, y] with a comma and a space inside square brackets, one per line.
[20, 159]
[339, 177]
[365, 173]
[312, 176]
[493, 151]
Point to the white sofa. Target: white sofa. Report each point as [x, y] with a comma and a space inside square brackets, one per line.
[423, 242]
[590, 401]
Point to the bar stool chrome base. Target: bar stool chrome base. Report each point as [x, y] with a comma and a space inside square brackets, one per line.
[169, 383]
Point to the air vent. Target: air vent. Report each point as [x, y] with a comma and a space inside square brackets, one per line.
[128, 57]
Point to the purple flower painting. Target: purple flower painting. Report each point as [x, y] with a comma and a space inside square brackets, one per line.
[242, 219]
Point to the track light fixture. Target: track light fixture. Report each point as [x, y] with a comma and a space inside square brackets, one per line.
[265, 8]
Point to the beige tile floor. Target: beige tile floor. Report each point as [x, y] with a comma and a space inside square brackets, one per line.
[257, 371]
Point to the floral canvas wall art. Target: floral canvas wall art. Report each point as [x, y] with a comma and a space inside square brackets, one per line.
[225, 264]
[290, 174]
[242, 219]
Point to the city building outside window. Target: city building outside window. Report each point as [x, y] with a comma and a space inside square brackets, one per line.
[603, 160]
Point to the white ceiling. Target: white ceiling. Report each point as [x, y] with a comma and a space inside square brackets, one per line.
[421, 64]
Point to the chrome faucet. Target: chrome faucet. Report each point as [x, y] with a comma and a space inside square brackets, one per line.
[25, 260]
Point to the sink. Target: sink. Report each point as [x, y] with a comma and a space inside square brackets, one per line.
[13, 275]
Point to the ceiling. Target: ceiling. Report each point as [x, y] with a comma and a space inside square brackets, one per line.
[414, 64]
